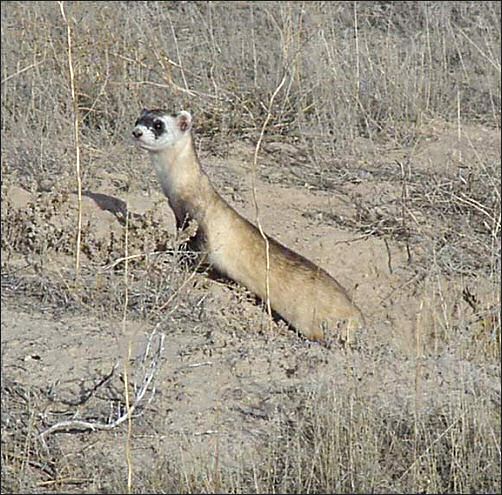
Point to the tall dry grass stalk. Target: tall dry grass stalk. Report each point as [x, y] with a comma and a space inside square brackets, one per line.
[129, 353]
[356, 40]
[76, 130]
[255, 199]
[417, 401]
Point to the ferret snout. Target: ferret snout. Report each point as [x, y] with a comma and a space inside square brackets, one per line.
[137, 133]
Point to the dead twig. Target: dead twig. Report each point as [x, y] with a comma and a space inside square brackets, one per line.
[24, 69]
[149, 364]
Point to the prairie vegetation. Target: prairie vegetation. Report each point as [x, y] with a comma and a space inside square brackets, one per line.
[382, 150]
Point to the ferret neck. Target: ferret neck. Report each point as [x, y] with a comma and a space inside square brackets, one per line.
[182, 180]
[183, 150]
[177, 165]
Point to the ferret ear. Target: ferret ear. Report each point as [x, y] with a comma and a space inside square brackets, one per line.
[144, 112]
[184, 121]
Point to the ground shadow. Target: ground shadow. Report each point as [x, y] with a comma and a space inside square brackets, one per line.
[110, 203]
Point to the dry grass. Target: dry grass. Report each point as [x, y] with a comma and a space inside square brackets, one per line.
[342, 440]
[412, 63]
[385, 74]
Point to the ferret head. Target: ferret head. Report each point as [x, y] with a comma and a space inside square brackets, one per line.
[156, 130]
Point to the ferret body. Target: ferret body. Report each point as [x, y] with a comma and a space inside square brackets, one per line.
[302, 293]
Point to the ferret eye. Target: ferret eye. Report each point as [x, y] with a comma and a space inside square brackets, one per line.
[157, 125]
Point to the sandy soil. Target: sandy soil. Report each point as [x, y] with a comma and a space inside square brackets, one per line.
[225, 376]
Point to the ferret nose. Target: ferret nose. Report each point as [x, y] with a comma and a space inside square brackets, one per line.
[137, 133]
